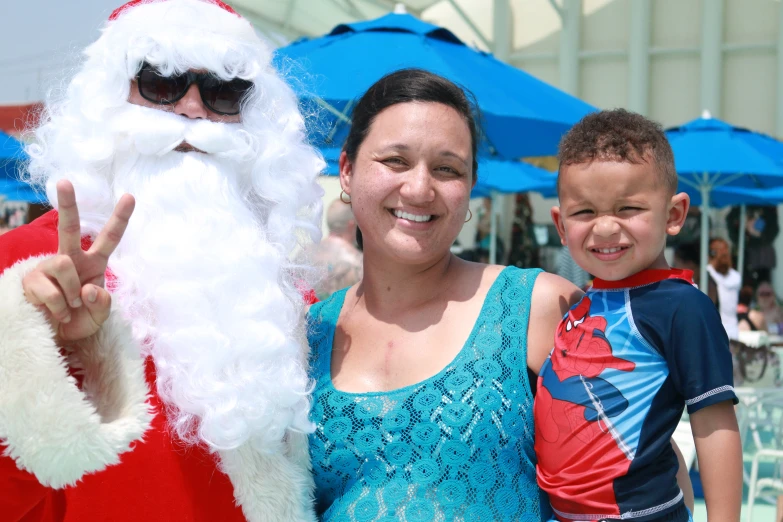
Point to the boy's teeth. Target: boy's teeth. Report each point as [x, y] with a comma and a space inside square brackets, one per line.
[609, 250]
[411, 217]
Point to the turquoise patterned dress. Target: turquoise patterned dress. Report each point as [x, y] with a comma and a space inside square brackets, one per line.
[457, 446]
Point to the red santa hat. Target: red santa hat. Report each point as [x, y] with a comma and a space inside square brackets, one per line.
[133, 3]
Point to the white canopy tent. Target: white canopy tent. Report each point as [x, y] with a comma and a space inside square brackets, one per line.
[283, 21]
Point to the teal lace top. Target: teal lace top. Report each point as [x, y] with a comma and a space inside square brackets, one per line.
[457, 446]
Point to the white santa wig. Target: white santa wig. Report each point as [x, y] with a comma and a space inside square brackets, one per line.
[231, 363]
[74, 141]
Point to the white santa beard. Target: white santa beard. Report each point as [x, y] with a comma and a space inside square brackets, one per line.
[212, 300]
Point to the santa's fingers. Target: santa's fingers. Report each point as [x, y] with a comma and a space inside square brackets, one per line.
[43, 292]
[68, 227]
[62, 271]
[98, 303]
[87, 320]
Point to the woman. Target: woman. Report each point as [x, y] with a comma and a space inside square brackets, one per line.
[767, 302]
[748, 319]
[425, 369]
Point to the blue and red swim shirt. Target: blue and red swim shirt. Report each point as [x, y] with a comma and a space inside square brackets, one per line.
[628, 357]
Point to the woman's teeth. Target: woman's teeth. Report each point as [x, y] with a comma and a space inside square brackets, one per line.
[412, 217]
[608, 250]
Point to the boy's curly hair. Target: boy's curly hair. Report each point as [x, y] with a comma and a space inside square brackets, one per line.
[619, 135]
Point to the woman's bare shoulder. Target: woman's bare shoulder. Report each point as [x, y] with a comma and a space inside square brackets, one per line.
[548, 285]
[552, 297]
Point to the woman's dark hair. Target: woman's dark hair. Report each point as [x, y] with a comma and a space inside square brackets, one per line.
[410, 85]
[403, 86]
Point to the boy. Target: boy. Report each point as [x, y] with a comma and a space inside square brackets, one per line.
[641, 344]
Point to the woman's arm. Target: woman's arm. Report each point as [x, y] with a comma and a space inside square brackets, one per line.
[758, 320]
[552, 297]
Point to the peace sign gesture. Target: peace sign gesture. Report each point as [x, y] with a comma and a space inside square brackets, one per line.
[69, 286]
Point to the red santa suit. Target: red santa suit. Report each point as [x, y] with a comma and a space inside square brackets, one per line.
[83, 433]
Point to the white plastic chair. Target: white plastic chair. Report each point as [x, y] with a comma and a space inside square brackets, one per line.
[757, 486]
[760, 411]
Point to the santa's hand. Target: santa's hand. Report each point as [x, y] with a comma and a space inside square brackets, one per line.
[69, 286]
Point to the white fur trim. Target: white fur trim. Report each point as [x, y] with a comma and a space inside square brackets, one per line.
[169, 16]
[52, 428]
[272, 487]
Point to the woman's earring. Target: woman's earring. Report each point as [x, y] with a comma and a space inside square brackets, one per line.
[470, 216]
[342, 193]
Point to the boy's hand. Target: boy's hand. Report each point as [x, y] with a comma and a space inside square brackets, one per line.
[719, 451]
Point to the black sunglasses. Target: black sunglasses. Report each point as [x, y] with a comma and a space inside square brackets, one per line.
[221, 97]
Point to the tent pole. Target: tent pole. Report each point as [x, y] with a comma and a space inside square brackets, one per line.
[741, 247]
[705, 236]
[493, 229]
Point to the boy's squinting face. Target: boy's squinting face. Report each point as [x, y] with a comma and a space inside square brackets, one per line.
[614, 217]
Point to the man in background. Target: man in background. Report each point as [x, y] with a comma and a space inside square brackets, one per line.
[727, 285]
[337, 253]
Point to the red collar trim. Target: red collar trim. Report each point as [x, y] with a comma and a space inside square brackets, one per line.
[644, 278]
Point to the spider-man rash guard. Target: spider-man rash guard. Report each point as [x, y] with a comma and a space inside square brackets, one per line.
[627, 359]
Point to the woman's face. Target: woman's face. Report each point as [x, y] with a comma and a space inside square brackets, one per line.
[765, 295]
[411, 181]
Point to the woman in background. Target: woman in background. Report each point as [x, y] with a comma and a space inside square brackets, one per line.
[748, 319]
[767, 302]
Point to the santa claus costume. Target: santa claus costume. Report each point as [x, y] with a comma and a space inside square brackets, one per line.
[191, 402]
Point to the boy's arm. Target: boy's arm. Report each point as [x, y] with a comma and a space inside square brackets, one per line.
[719, 451]
[683, 478]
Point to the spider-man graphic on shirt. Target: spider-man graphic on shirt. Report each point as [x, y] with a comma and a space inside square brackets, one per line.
[578, 405]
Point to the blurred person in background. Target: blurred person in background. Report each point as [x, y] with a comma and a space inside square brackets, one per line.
[686, 257]
[748, 318]
[524, 251]
[727, 282]
[337, 253]
[761, 229]
[768, 304]
[484, 235]
[568, 269]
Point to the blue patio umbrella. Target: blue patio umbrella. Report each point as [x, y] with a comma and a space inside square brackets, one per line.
[12, 156]
[13, 190]
[522, 116]
[753, 196]
[713, 159]
[513, 177]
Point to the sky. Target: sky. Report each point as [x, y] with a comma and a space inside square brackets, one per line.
[41, 39]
